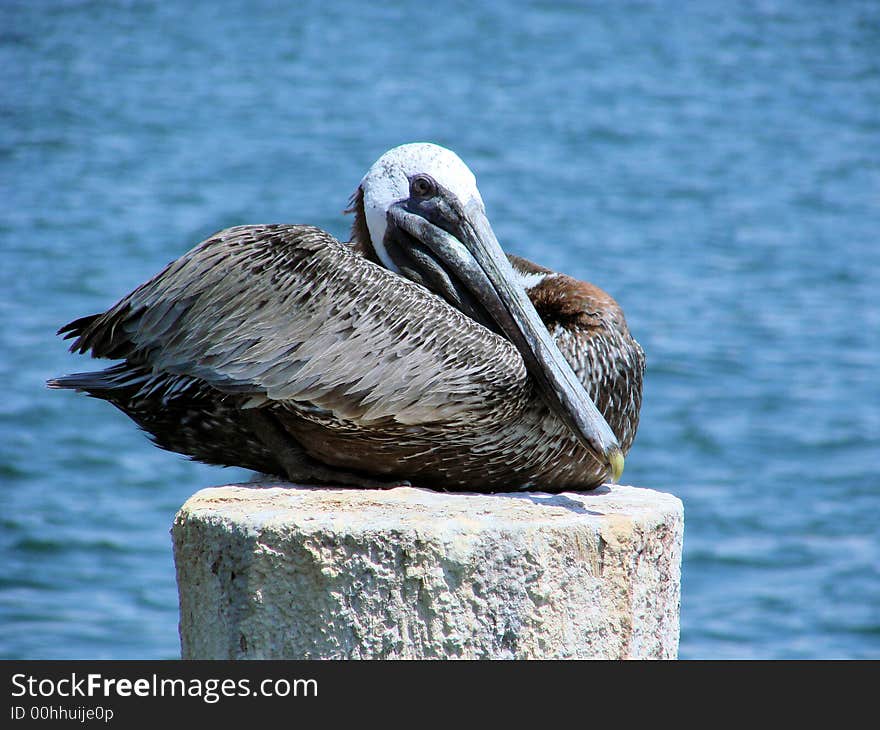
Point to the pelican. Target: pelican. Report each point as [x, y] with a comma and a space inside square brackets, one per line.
[416, 353]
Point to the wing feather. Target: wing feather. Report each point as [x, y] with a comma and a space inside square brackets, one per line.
[289, 314]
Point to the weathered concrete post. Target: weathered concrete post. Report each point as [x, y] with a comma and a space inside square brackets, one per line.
[296, 572]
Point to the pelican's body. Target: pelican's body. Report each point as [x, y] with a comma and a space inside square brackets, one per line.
[279, 349]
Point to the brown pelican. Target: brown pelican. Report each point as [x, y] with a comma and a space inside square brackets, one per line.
[416, 353]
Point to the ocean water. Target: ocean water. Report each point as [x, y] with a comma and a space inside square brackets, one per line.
[715, 166]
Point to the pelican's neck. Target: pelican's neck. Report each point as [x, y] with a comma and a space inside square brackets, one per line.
[360, 239]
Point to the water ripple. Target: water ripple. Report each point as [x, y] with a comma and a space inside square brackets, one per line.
[720, 178]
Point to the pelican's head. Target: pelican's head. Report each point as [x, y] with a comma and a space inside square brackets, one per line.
[418, 212]
[387, 182]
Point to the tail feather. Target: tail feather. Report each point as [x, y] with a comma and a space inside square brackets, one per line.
[76, 381]
[101, 381]
[179, 414]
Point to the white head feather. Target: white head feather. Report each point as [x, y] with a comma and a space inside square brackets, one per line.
[387, 182]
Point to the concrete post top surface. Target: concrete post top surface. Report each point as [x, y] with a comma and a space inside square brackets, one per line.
[262, 505]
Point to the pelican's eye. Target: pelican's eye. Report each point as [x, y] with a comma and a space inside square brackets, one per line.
[422, 186]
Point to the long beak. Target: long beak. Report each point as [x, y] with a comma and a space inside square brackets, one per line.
[476, 259]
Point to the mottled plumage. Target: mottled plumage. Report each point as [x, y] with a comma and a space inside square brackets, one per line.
[279, 349]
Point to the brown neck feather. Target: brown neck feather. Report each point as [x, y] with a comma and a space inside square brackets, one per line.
[360, 235]
[567, 302]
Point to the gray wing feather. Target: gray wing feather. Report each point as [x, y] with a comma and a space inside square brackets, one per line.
[289, 314]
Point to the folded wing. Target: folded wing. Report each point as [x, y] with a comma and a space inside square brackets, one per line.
[288, 314]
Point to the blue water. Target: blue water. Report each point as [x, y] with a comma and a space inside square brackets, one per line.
[715, 166]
